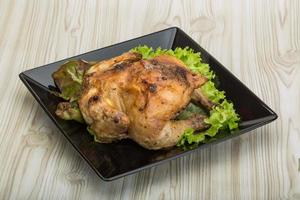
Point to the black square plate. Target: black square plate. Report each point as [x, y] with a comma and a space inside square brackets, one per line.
[112, 161]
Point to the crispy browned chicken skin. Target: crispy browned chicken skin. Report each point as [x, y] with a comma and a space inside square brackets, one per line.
[127, 97]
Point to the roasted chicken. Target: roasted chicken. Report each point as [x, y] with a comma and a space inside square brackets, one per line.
[128, 97]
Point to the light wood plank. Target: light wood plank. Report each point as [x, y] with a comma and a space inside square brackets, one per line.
[259, 41]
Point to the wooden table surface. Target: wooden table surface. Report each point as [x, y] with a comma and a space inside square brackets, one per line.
[259, 41]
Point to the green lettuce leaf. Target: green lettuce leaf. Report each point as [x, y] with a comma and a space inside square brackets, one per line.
[190, 140]
[148, 52]
[68, 78]
[221, 117]
[213, 94]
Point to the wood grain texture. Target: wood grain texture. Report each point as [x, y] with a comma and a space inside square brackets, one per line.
[259, 41]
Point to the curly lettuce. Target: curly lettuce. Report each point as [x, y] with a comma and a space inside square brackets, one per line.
[209, 89]
[221, 117]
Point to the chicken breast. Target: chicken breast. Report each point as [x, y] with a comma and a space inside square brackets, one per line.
[127, 97]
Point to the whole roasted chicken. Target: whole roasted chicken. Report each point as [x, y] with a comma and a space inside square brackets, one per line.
[128, 97]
